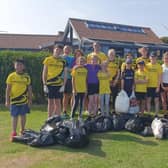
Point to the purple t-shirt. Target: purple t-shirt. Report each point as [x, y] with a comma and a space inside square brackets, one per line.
[92, 73]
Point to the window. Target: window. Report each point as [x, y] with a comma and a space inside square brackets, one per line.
[114, 27]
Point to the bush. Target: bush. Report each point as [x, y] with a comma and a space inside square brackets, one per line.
[33, 61]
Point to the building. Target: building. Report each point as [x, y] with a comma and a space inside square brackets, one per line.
[82, 33]
[27, 42]
[123, 38]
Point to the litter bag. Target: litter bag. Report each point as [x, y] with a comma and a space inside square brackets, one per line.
[159, 128]
[122, 102]
[134, 107]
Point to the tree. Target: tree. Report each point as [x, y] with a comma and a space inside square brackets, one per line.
[164, 39]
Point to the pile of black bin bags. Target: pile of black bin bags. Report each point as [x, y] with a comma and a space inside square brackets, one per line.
[75, 134]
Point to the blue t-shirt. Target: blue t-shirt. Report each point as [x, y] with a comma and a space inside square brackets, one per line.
[70, 61]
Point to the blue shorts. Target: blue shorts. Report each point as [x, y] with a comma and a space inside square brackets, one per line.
[17, 110]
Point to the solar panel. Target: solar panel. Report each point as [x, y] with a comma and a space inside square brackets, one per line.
[114, 27]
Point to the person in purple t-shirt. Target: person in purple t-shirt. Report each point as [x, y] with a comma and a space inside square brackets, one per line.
[93, 85]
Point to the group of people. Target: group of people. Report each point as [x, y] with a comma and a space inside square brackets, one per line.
[89, 82]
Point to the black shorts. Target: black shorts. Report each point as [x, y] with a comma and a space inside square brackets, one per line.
[140, 95]
[93, 88]
[164, 85]
[53, 92]
[68, 86]
[151, 92]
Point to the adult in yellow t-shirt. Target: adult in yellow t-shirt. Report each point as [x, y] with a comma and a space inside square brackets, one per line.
[96, 51]
[79, 85]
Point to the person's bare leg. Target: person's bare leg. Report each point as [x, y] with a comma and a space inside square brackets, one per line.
[50, 107]
[86, 102]
[95, 103]
[156, 106]
[90, 104]
[148, 104]
[65, 102]
[142, 106]
[57, 106]
[22, 122]
[164, 101]
[14, 124]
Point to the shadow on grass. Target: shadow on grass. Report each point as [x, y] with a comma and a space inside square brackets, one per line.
[123, 136]
[94, 148]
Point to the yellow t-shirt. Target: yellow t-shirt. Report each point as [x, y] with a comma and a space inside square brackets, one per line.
[104, 83]
[55, 70]
[19, 87]
[141, 75]
[80, 75]
[102, 57]
[112, 69]
[154, 70]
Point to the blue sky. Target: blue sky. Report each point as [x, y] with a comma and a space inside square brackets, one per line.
[50, 16]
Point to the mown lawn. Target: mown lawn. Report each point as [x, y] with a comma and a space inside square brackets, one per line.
[106, 150]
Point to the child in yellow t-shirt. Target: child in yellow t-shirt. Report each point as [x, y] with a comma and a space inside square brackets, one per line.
[123, 65]
[114, 73]
[155, 74]
[164, 84]
[104, 88]
[79, 86]
[53, 80]
[141, 80]
[18, 95]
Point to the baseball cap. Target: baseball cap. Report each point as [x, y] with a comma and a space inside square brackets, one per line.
[128, 61]
[141, 62]
[153, 54]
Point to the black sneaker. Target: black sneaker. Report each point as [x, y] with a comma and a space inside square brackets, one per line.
[165, 116]
[156, 116]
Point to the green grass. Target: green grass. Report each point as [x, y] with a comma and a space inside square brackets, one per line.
[106, 150]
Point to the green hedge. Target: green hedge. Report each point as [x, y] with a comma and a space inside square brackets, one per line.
[33, 61]
[34, 67]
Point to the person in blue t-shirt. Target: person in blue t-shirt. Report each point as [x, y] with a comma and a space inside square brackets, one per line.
[127, 78]
[68, 86]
